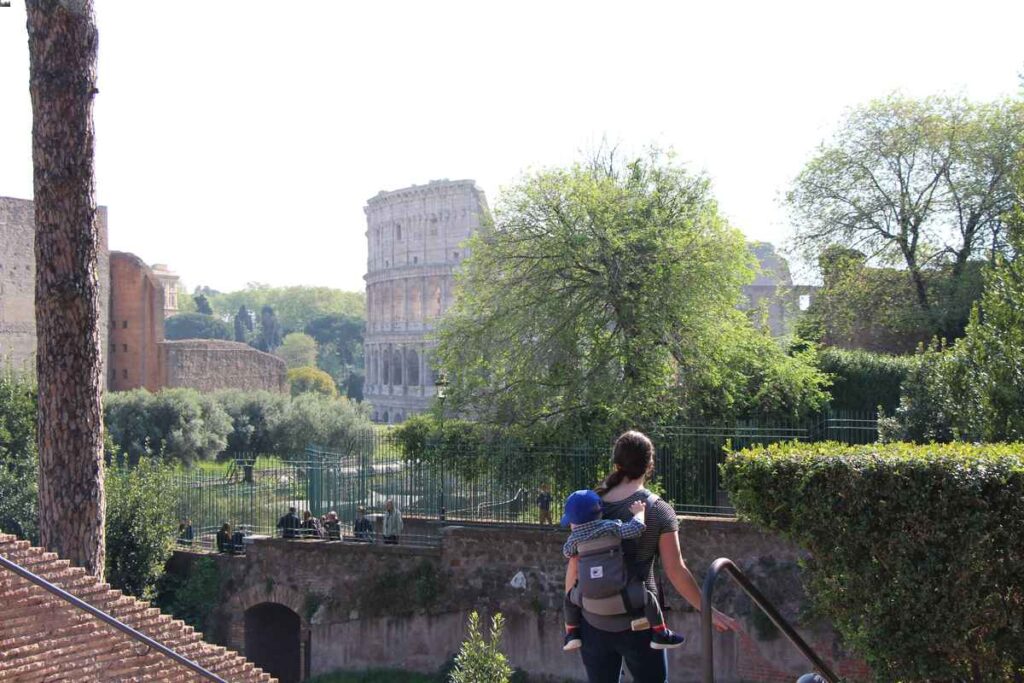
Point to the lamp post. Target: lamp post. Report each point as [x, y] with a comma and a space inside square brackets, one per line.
[441, 388]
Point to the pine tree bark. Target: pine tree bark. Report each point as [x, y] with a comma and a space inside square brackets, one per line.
[62, 52]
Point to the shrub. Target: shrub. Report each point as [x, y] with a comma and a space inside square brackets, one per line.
[18, 456]
[140, 525]
[298, 350]
[196, 326]
[305, 380]
[862, 381]
[917, 552]
[480, 661]
[191, 598]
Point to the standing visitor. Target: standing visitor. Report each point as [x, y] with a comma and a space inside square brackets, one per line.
[392, 523]
[289, 524]
[544, 505]
[363, 528]
[224, 538]
[332, 526]
[608, 640]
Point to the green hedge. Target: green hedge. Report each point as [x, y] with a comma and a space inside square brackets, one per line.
[862, 381]
[917, 552]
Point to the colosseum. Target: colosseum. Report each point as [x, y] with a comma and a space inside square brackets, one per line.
[415, 240]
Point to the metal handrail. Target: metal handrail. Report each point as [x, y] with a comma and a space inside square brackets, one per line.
[707, 630]
[107, 619]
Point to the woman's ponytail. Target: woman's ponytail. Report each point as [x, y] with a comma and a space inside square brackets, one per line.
[632, 458]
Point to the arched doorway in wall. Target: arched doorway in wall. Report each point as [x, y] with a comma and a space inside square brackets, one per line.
[273, 641]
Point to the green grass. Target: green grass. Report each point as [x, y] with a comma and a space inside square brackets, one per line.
[374, 676]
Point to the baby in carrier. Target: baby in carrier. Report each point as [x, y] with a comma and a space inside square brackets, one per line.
[602, 570]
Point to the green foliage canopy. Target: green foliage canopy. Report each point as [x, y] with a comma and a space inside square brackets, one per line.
[863, 381]
[296, 306]
[916, 552]
[173, 424]
[18, 455]
[196, 326]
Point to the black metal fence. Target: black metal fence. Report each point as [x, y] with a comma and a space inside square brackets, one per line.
[500, 482]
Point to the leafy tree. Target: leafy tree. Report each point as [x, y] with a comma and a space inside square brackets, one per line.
[194, 597]
[141, 525]
[310, 379]
[479, 660]
[599, 296]
[195, 326]
[203, 305]
[298, 350]
[173, 425]
[269, 337]
[340, 349]
[62, 44]
[863, 381]
[18, 456]
[243, 325]
[256, 418]
[974, 389]
[915, 183]
[312, 418]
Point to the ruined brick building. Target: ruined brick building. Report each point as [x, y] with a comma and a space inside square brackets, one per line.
[133, 300]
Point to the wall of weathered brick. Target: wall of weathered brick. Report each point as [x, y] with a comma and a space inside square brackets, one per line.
[208, 365]
[136, 324]
[365, 606]
[18, 282]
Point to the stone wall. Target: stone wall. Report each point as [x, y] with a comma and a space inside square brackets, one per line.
[136, 324]
[364, 606]
[209, 365]
[18, 282]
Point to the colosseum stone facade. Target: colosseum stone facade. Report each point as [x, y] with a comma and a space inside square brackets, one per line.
[416, 240]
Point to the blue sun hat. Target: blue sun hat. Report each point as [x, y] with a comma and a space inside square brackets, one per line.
[581, 507]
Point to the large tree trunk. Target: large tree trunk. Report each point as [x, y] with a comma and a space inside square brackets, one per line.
[62, 49]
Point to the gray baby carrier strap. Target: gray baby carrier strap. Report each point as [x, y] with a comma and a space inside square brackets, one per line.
[606, 585]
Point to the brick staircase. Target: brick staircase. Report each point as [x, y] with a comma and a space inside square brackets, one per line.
[44, 638]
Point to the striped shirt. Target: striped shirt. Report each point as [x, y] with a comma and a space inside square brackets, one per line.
[641, 553]
[588, 531]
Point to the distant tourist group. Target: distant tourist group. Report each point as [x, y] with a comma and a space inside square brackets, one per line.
[329, 527]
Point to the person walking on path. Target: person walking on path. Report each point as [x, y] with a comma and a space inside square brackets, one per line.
[608, 640]
[392, 523]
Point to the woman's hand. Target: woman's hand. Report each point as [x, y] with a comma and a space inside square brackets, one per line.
[723, 622]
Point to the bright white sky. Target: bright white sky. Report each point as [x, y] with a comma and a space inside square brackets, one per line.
[239, 141]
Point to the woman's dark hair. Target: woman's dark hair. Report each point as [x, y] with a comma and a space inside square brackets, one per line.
[632, 458]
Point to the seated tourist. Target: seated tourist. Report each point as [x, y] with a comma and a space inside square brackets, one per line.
[311, 526]
[289, 524]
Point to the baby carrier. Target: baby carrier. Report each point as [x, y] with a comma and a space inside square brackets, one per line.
[606, 585]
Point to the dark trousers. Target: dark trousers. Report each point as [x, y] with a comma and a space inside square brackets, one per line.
[391, 540]
[652, 610]
[604, 651]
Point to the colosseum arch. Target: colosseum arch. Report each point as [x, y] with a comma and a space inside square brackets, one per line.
[412, 368]
[396, 368]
